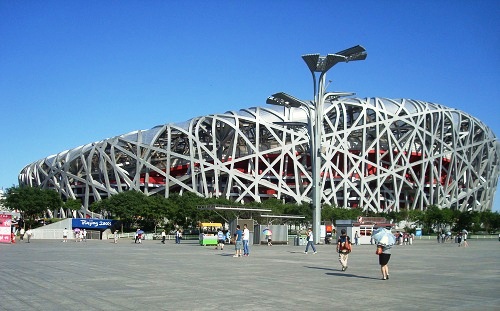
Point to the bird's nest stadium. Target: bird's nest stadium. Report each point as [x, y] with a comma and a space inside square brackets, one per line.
[377, 155]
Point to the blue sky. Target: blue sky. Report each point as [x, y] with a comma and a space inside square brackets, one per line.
[75, 72]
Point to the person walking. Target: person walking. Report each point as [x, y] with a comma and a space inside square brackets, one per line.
[116, 236]
[21, 234]
[136, 236]
[246, 240]
[459, 239]
[29, 233]
[220, 239]
[163, 236]
[238, 243]
[356, 238]
[65, 235]
[178, 236]
[310, 241]
[84, 235]
[464, 238]
[344, 247]
[76, 232]
[384, 254]
[269, 238]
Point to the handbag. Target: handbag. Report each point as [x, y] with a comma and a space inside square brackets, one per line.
[379, 250]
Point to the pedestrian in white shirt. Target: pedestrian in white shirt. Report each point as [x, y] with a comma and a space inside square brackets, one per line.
[246, 240]
[65, 235]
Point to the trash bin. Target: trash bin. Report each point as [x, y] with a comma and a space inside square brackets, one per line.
[300, 241]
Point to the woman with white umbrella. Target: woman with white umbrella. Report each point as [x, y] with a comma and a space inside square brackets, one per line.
[383, 260]
[385, 239]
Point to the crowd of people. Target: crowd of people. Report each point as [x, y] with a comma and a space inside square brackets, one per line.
[80, 235]
[459, 237]
[404, 238]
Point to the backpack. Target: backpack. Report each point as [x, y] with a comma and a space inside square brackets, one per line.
[345, 245]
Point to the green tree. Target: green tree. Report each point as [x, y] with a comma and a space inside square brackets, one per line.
[99, 207]
[184, 212]
[73, 205]
[343, 214]
[448, 217]
[433, 218]
[129, 206]
[33, 202]
[396, 217]
[416, 216]
[328, 213]
[404, 214]
[303, 209]
[276, 206]
[469, 221]
[157, 210]
[210, 215]
[489, 221]
[495, 223]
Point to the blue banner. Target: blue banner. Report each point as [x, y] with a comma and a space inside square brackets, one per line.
[92, 223]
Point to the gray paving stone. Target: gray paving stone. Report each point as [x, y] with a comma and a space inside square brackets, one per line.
[101, 275]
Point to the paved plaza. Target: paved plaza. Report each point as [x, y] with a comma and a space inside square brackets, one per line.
[100, 275]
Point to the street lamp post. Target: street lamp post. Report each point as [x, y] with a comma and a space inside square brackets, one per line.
[318, 65]
[283, 99]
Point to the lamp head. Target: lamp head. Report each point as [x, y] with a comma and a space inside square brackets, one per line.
[283, 99]
[317, 63]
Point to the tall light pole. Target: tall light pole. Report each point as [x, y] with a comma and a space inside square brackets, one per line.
[318, 65]
[283, 99]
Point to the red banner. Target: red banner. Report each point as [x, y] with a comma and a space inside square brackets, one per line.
[5, 228]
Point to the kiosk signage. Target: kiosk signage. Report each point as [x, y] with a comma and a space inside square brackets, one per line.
[5, 225]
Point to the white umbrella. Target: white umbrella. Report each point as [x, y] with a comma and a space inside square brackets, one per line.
[384, 236]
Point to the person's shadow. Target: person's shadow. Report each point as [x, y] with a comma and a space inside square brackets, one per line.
[344, 274]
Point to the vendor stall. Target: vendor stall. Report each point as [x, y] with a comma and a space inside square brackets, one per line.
[208, 233]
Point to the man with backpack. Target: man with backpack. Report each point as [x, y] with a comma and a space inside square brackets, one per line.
[344, 247]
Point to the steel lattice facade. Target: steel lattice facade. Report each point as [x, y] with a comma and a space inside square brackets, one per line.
[377, 154]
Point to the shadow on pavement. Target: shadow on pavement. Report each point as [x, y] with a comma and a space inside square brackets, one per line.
[344, 274]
